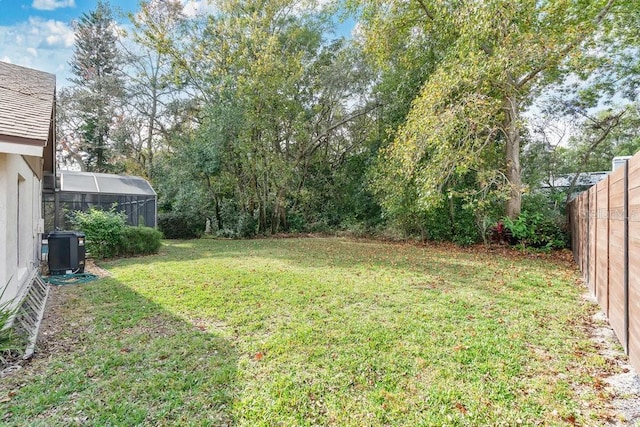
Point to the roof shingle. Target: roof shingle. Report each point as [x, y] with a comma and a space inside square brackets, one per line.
[27, 97]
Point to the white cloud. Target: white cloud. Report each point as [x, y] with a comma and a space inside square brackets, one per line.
[193, 8]
[6, 59]
[358, 32]
[52, 4]
[56, 40]
[45, 45]
[56, 34]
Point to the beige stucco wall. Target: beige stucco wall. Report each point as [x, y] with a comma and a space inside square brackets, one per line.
[19, 219]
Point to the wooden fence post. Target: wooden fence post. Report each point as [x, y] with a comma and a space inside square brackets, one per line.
[595, 243]
[626, 256]
[608, 275]
[588, 245]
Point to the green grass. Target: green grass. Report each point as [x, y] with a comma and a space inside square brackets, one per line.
[302, 332]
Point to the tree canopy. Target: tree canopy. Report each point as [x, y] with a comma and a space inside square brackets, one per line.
[256, 116]
[97, 91]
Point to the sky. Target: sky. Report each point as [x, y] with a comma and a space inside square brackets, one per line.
[39, 33]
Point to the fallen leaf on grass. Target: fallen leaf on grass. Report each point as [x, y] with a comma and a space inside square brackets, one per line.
[8, 397]
[460, 407]
[598, 384]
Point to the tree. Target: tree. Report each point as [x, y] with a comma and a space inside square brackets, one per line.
[492, 58]
[143, 126]
[98, 88]
[277, 104]
[594, 143]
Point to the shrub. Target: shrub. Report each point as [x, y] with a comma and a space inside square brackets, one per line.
[537, 230]
[246, 226]
[103, 230]
[9, 340]
[177, 225]
[296, 222]
[140, 241]
[500, 234]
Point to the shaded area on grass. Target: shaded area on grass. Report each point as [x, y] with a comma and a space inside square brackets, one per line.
[121, 359]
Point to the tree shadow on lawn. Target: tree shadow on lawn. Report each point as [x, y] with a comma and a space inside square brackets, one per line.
[112, 357]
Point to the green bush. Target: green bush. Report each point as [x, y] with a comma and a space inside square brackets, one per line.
[140, 241]
[177, 225]
[537, 230]
[246, 226]
[296, 222]
[103, 230]
[9, 340]
[107, 234]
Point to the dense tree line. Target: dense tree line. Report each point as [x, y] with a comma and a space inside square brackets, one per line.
[425, 121]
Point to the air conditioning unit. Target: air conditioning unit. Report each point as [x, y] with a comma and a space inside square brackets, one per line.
[66, 252]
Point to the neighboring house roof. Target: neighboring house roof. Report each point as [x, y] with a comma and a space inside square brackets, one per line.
[585, 179]
[104, 183]
[27, 102]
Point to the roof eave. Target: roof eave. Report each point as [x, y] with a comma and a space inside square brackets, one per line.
[22, 146]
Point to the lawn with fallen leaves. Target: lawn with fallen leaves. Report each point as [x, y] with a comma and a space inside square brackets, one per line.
[316, 331]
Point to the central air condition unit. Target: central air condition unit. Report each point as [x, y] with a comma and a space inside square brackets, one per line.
[66, 252]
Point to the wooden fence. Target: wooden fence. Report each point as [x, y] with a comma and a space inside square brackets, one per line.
[605, 234]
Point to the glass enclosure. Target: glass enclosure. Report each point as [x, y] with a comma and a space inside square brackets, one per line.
[83, 190]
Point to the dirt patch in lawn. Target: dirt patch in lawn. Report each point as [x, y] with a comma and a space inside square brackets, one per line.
[91, 267]
[56, 335]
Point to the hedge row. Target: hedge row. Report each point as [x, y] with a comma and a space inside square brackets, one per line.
[107, 234]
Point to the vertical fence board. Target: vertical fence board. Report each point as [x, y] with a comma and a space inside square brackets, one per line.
[634, 261]
[576, 229]
[602, 245]
[593, 233]
[580, 217]
[584, 230]
[573, 219]
[616, 252]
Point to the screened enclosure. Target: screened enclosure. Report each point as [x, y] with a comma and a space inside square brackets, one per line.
[79, 191]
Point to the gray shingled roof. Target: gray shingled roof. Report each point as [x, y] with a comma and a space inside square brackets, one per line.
[26, 102]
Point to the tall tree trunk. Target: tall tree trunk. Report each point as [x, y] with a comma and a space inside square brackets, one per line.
[278, 216]
[218, 214]
[512, 139]
[151, 126]
[452, 217]
[262, 218]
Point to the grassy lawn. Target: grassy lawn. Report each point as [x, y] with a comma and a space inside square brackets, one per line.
[301, 332]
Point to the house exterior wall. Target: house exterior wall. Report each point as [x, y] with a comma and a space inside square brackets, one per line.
[20, 213]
